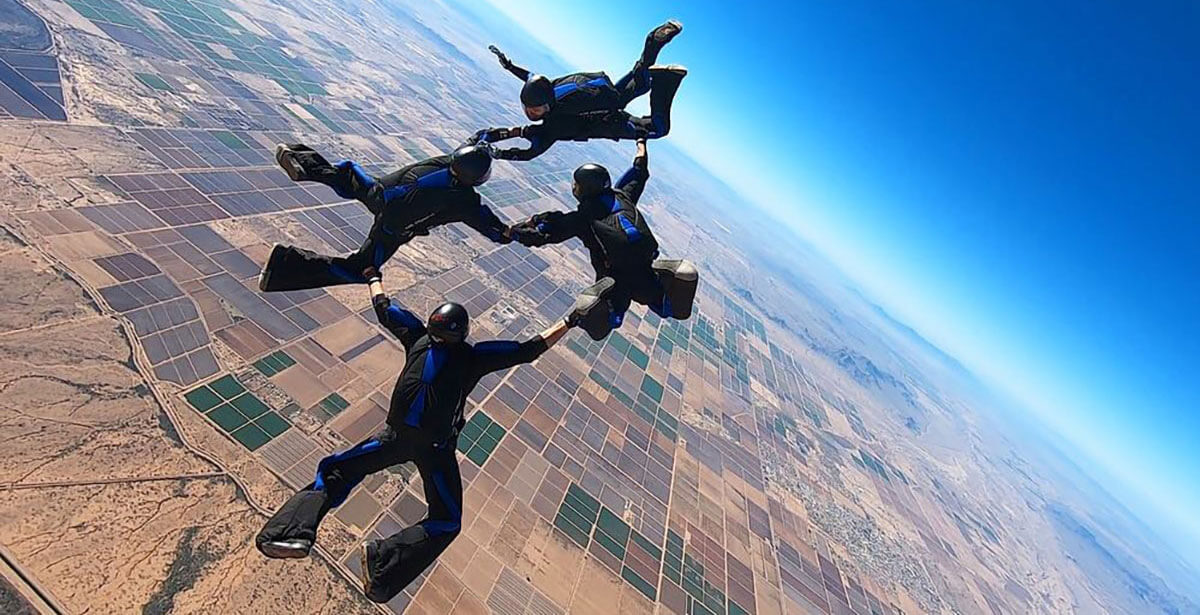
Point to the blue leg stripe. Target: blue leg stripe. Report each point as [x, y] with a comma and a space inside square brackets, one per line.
[357, 451]
[663, 308]
[439, 481]
[624, 81]
[645, 83]
[345, 189]
[366, 181]
[659, 126]
[437, 528]
[615, 319]
[345, 275]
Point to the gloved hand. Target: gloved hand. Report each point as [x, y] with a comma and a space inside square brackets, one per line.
[536, 230]
[504, 61]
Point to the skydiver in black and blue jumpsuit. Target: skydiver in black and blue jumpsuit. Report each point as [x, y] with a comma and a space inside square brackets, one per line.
[622, 248]
[406, 203]
[584, 106]
[440, 370]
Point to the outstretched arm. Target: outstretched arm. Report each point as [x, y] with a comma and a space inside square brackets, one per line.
[508, 65]
[538, 144]
[493, 135]
[402, 323]
[483, 219]
[547, 228]
[498, 355]
[633, 181]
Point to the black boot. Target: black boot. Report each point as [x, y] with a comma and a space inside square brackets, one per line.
[664, 83]
[291, 531]
[294, 548]
[657, 39]
[292, 268]
[593, 310]
[304, 164]
[665, 33]
[679, 279]
[368, 554]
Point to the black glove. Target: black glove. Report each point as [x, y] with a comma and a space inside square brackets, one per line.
[504, 61]
[485, 136]
[536, 230]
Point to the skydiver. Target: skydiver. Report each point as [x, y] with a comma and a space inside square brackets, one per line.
[440, 370]
[406, 203]
[584, 106]
[622, 248]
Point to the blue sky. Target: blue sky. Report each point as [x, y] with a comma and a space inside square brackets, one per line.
[1018, 181]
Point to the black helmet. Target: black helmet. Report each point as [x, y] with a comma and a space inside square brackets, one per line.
[471, 164]
[537, 91]
[591, 179]
[449, 323]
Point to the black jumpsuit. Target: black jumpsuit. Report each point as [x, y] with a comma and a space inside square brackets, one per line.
[406, 203]
[422, 427]
[619, 242]
[591, 106]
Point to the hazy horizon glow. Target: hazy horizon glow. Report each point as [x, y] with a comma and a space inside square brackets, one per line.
[1016, 182]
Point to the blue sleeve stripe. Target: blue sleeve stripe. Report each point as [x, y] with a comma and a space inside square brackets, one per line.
[626, 177]
[396, 192]
[631, 231]
[564, 89]
[437, 179]
[403, 318]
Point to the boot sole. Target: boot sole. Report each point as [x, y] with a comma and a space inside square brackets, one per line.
[601, 289]
[264, 277]
[685, 271]
[363, 575]
[279, 551]
[667, 38]
[674, 69]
